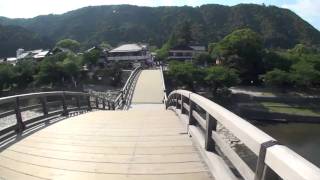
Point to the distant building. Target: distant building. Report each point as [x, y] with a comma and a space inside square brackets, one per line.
[185, 53]
[37, 54]
[137, 54]
[11, 60]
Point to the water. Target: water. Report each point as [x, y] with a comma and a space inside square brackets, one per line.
[303, 138]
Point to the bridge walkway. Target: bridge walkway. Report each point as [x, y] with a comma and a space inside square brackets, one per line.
[135, 144]
[149, 88]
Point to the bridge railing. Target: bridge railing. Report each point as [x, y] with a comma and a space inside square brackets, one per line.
[205, 114]
[44, 105]
[165, 97]
[126, 92]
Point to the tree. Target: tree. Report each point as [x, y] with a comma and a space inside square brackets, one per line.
[105, 45]
[277, 78]
[50, 73]
[24, 72]
[219, 77]
[58, 69]
[304, 74]
[184, 34]
[182, 74]
[70, 44]
[163, 53]
[92, 57]
[203, 59]
[242, 50]
[71, 67]
[6, 76]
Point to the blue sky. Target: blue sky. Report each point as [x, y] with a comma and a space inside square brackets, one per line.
[307, 9]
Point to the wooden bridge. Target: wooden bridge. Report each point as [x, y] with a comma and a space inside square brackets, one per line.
[156, 137]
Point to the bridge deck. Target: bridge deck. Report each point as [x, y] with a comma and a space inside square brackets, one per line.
[133, 144]
[149, 88]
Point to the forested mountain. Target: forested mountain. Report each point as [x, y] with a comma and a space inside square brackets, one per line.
[209, 23]
[14, 37]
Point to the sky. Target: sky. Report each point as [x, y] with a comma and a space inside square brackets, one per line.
[307, 9]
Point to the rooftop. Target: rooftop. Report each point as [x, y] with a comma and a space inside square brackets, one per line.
[128, 48]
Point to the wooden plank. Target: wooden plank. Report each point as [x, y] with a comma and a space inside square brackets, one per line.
[106, 158]
[111, 168]
[235, 159]
[8, 173]
[110, 145]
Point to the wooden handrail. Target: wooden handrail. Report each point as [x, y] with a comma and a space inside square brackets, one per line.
[163, 85]
[284, 162]
[122, 99]
[60, 99]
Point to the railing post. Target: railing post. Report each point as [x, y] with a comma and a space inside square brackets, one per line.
[109, 105]
[262, 171]
[192, 120]
[183, 110]
[89, 103]
[78, 102]
[20, 125]
[97, 102]
[44, 106]
[64, 105]
[177, 101]
[211, 125]
[103, 103]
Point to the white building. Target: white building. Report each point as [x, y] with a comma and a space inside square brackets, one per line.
[133, 53]
[37, 54]
[185, 53]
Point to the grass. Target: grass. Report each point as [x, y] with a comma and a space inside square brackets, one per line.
[289, 109]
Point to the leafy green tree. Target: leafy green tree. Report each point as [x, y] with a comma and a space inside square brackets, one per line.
[70, 44]
[277, 78]
[182, 74]
[275, 60]
[184, 34]
[242, 50]
[24, 72]
[203, 59]
[304, 74]
[50, 73]
[92, 57]
[105, 45]
[219, 77]
[59, 69]
[71, 67]
[6, 76]
[163, 52]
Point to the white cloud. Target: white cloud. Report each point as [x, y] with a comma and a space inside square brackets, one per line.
[307, 9]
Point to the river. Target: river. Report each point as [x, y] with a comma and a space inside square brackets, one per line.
[303, 138]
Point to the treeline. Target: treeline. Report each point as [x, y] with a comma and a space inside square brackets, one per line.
[124, 23]
[63, 70]
[240, 58]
